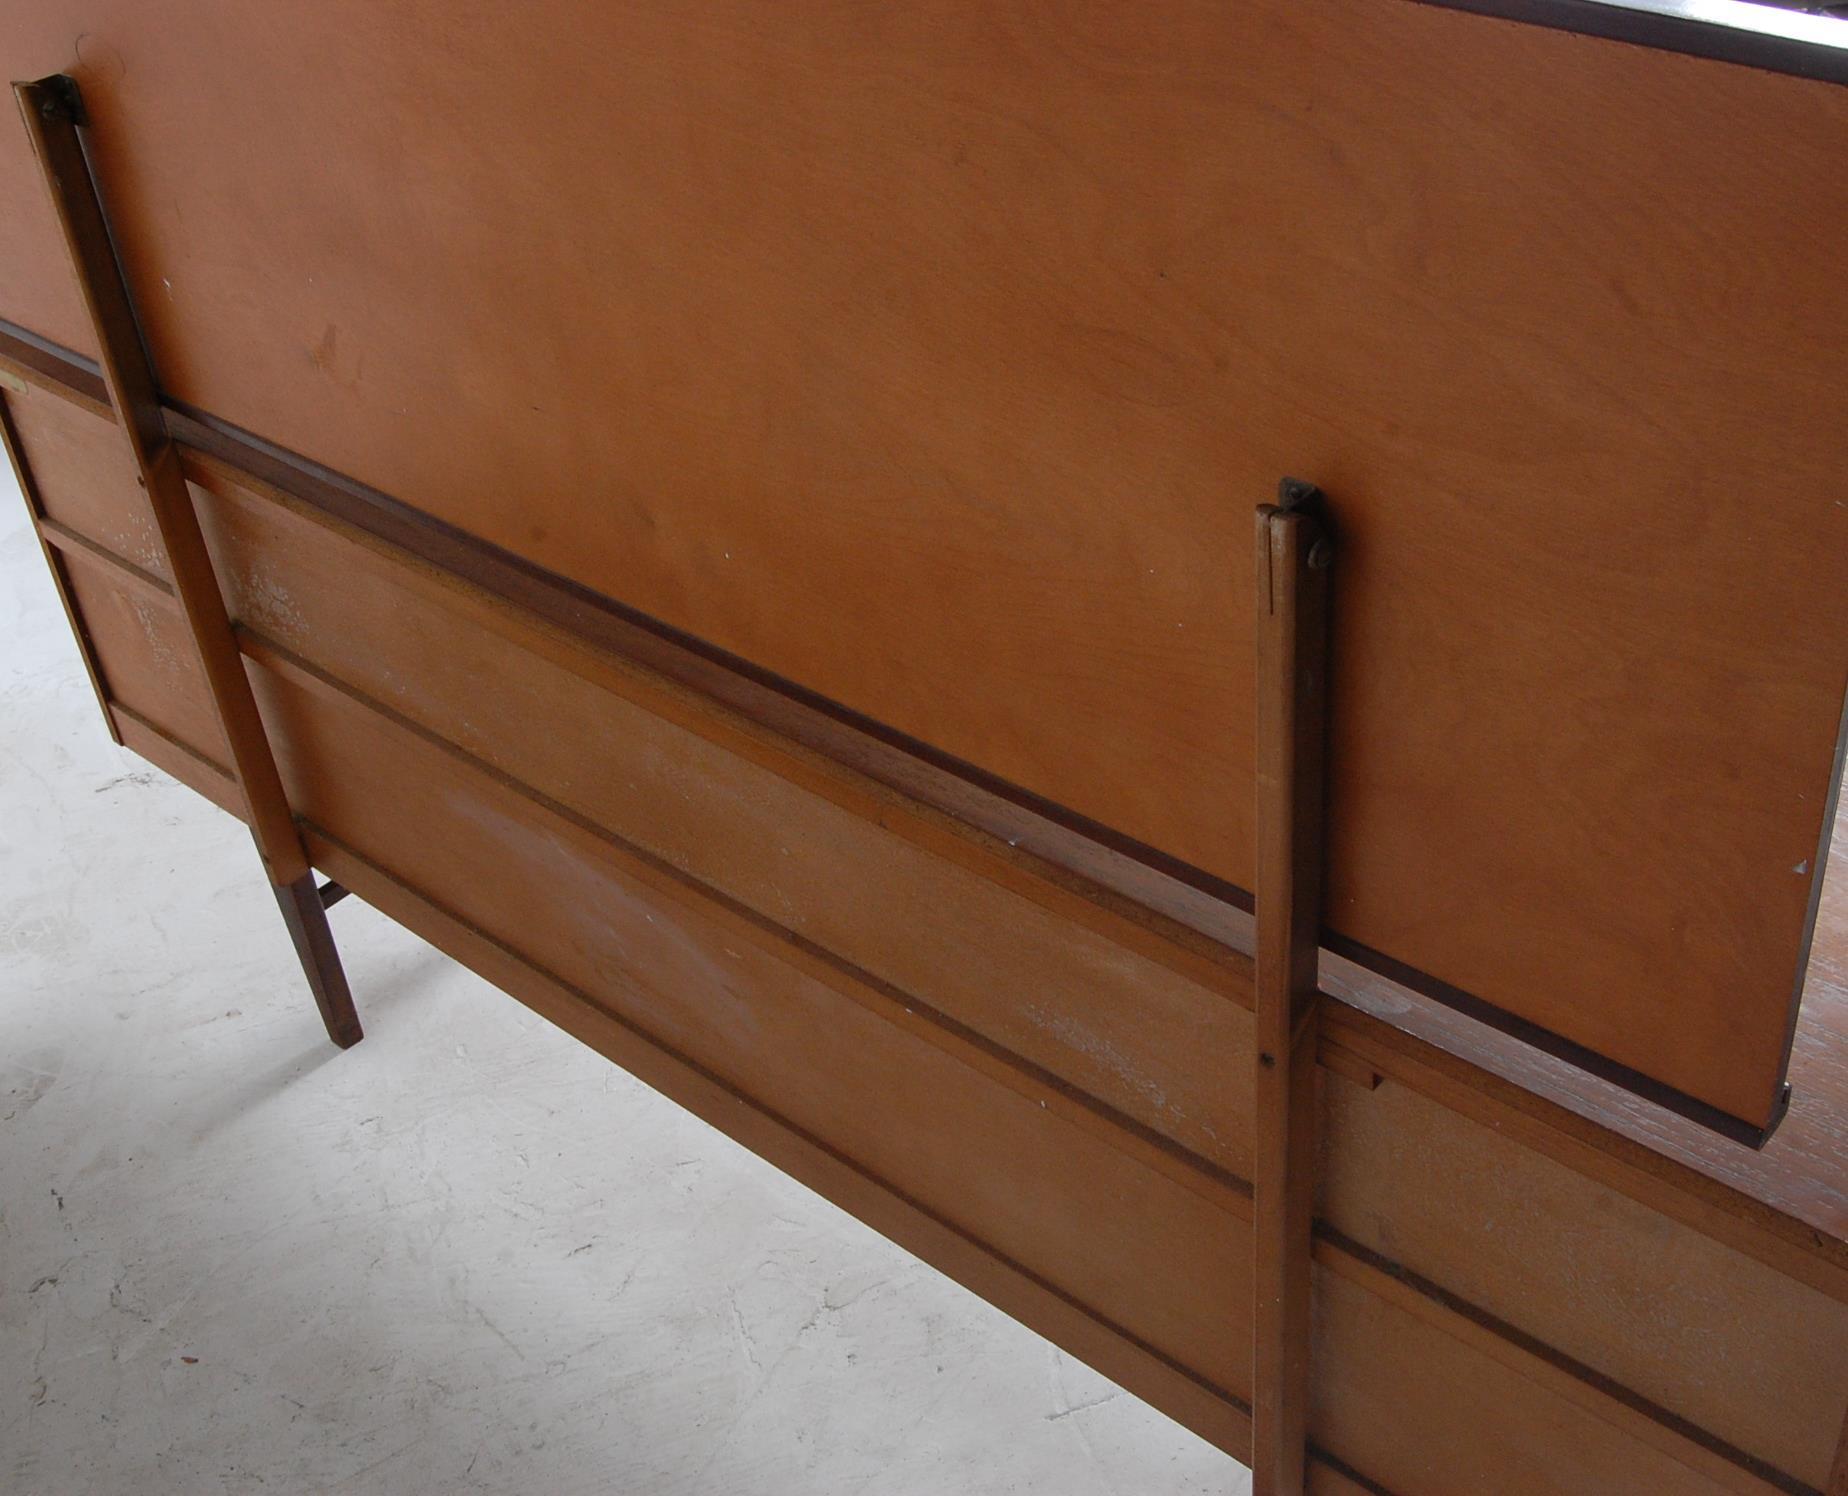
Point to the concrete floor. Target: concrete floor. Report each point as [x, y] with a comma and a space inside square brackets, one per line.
[467, 1256]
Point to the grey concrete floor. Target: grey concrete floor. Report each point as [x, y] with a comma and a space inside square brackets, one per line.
[467, 1256]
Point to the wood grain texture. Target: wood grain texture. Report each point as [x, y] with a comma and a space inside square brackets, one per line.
[1121, 1028]
[844, 872]
[1037, 973]
[1600, 1278]
[283, 569]
[147, 661]
[968, 326]
[1773, 1206]
[346, 769]
[1605, 1460]
[89, 483]
[1293, 554]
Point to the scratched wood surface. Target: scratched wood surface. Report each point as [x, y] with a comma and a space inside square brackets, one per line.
[934, 358]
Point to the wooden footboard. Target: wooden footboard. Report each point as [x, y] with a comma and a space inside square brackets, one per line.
[1026, 1078]
[735, 523]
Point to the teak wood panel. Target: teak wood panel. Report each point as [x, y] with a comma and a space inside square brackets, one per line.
[1781, 1206]
[1679, 1319]
[1451, 1200]
[1001, 1166]
[85, 480]
[933, 359]
[1118, 1025]
[1401, 1426]
[1140, 1252]
[1770, 1395]
[1120, 1029]
[146, 657]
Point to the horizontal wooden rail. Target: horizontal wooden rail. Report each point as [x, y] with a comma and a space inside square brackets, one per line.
[1186, 906]
[1041, 861]
[1456, 1317]
[1212, 1411]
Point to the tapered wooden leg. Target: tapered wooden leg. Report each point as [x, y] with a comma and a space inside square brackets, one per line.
[53, 114]
[1293, 552]
[306, 916]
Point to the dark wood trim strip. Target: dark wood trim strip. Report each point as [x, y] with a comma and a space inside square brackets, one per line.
[1211, 1411]
[1644, 1087]
[904, 1010]
[1106, 859]
[54, 369]
[1763, 36]
[1372, 1046]
[1598, 1152]
[1115, 867]
[1134, 880]
[203, 775]
[1219, 968]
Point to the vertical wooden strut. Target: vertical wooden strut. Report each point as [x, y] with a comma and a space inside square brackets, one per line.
[53, 112]
[1293, 553]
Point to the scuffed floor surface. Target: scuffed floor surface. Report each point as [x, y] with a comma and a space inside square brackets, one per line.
[467, 1256]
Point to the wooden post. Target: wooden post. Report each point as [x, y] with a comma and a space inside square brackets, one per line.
[53, 112]
[1293, 553]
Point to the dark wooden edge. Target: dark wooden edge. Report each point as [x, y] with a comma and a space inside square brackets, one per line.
[1760, 36]
[53, 114]
[903, 1009]
[1574, 1136]
[1643, 1087]
[135, 578]
[1819, 871]
[1118, 866]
